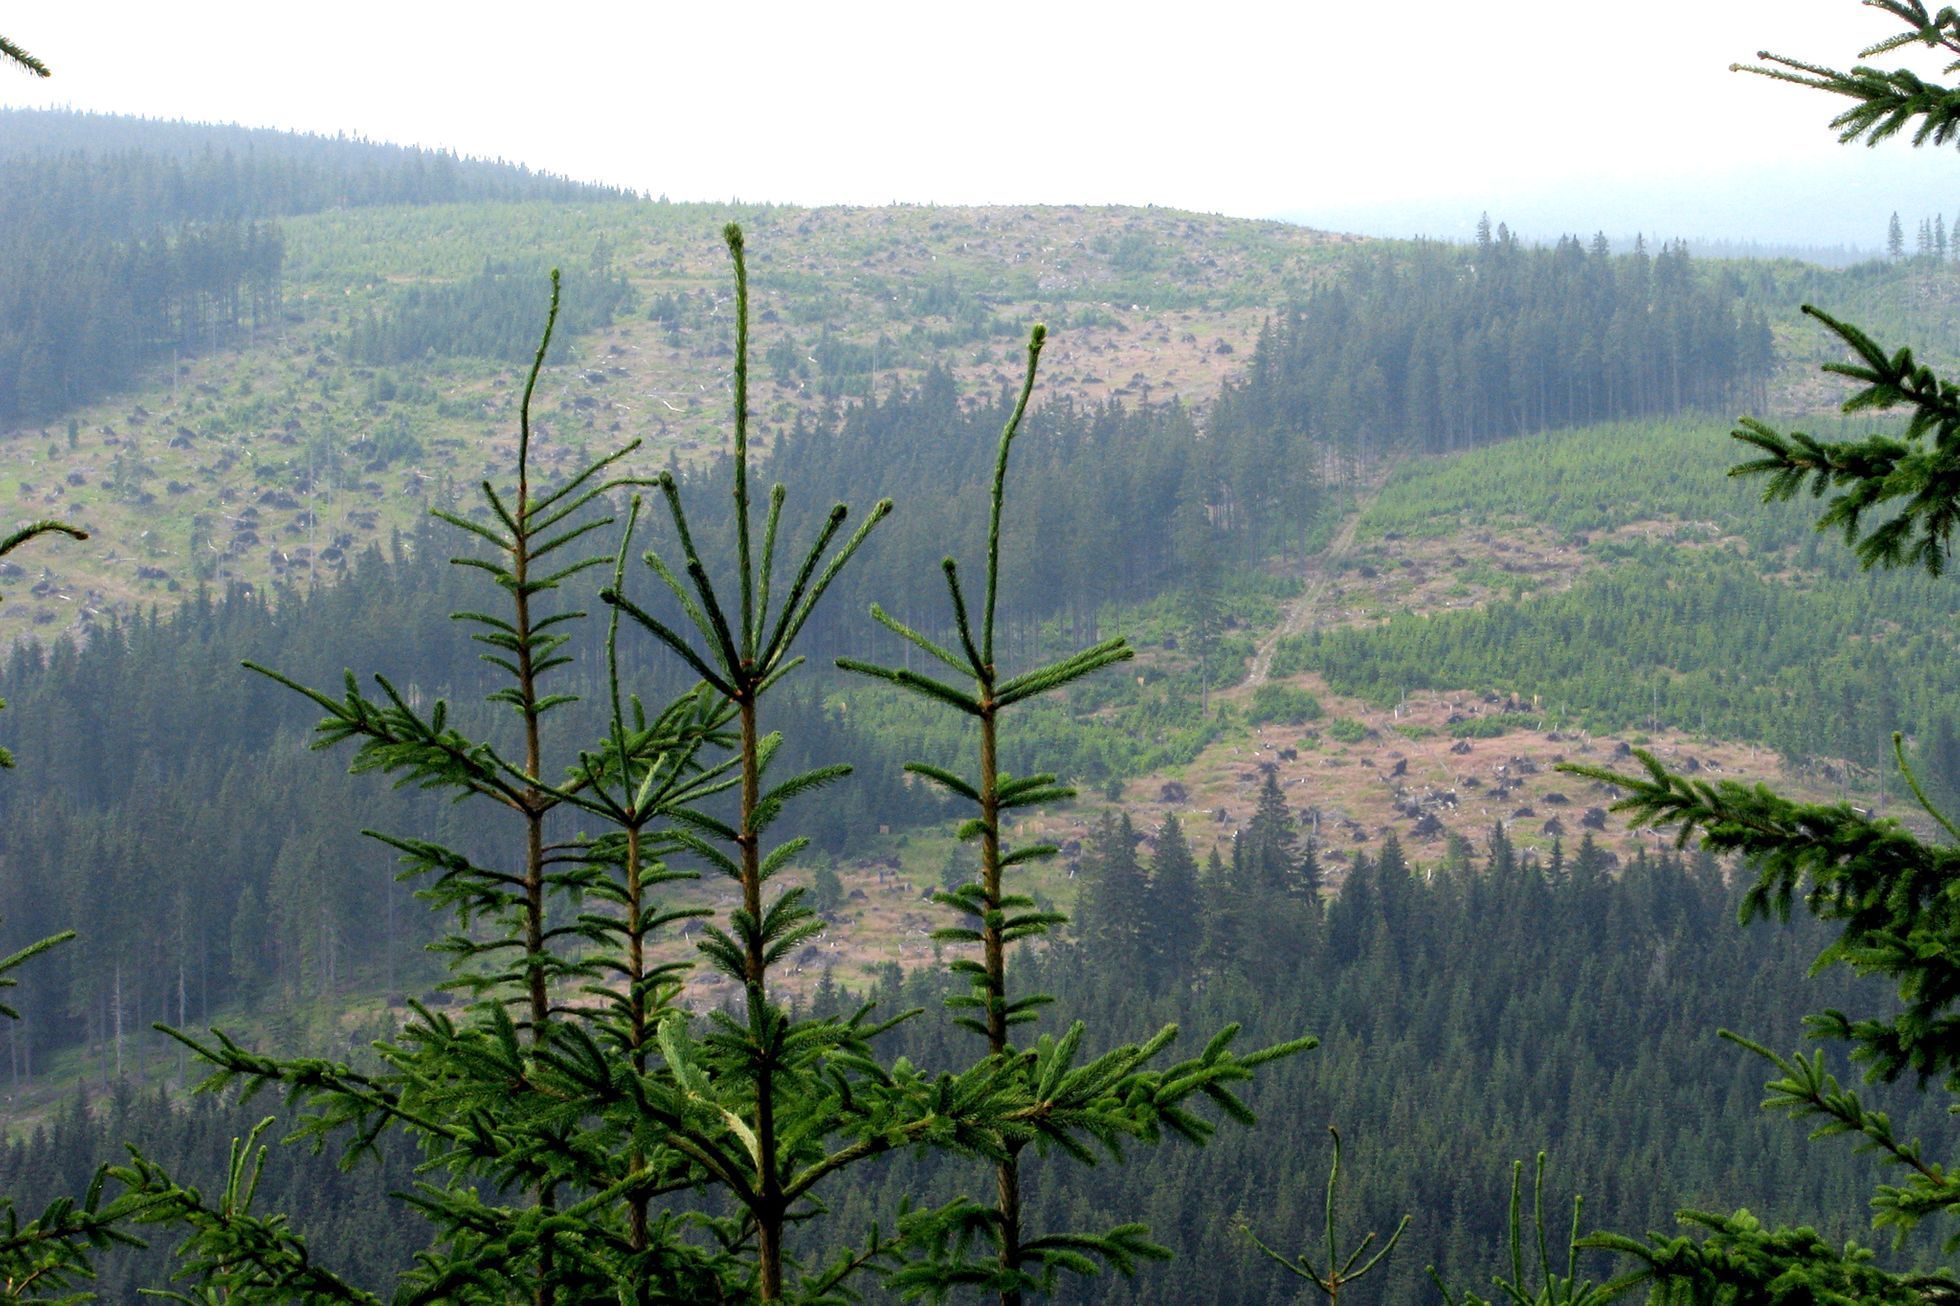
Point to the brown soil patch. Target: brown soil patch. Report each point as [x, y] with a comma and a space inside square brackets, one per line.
[1409, 776]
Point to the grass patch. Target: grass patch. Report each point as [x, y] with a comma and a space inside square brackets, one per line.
[1286, 704]
[1491, 727]
[1345, 730]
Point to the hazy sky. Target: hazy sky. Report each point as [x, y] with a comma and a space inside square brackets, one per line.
[1308, 108]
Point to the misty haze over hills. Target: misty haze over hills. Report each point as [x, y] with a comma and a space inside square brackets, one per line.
[1832, 214]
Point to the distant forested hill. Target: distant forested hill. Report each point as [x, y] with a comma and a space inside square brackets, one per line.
[175, 170]
[128, 241]
[1233, 376]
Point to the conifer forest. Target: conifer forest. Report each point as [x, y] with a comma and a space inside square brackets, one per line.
[569, 745]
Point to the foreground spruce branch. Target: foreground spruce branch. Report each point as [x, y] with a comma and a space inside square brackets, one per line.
[586, 1137]
[1335, 1269]
[1891, 895]
[1552, 1288]
[21, 59]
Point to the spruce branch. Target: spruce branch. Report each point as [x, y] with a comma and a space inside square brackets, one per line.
[230, 1248]
[395, 738]
[1036, 339]
[732, 235]
[1806, 1089]
[501, 543]
[26, 954]
[34, 530]
[978, 664]
[1341, 1268]
[796, 615]
[524, 402]
[1884, 102]
[543, 516]
[1912, 781]
[806, 571]
[1737, 1259]
[1553, 1289]
[671, 639]
[26, 62]
[778, 495]
[1921, 469]
[906, 678]
[920, 641]
[50, 1253]
[1893, 898]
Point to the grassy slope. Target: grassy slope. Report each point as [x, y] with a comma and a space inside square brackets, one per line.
[1511, 523]
[1518, 520]
[263, 438]
[1139, 296]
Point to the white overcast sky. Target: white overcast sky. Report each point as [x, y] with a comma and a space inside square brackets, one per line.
[1320, 110]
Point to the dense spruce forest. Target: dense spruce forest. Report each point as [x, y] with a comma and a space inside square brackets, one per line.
[1476, 999]
[1469, 1016]
[150, 734]
[1442, 348]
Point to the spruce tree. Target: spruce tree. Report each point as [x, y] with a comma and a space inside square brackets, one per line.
[993, 916]
[804, 1093]
[522, 1098]
[1274, 862]
[1112, 918]
[1174, 922]
[587, 1137]
[1194, 544]
[1887, 891]
[1229, 914]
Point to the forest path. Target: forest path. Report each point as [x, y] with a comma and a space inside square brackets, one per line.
[1300, 612]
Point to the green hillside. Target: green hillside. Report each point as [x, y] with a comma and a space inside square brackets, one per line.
[1684, 602]
[1394, 528]
[287, 449]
